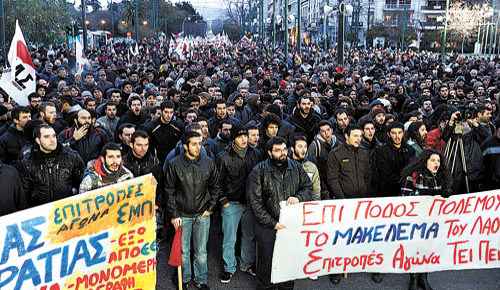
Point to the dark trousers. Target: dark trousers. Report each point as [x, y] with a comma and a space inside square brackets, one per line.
[265, 238]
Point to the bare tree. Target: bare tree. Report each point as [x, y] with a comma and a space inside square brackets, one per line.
[238, 10]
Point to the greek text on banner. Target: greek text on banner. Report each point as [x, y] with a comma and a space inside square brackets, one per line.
[103, 239]
[388, 235]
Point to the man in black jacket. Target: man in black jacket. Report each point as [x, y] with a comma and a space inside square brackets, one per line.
[140, 160]
[235, 163]
[51, 172]
[349, 169]
[389, 159]
[134, 115]
[349, 172]
[270, 182]
[14, 139]
[491, 155]
[214, 123]
[192, 189]
[84, 138]
[13, 197]
[166, 131]
[305, 119]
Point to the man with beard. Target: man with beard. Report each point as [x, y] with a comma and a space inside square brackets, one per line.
[48, 114]
[51, 171]
[390, 159]
[270, 182]
[83, 137]
[251, 109]
[234, 164]
[223, 138]
[304, 119]
[109, 121]
[107, 169]
[14, 139]
[379, 120]
[349, 173]
[299, 152]
[426, 108]
[166, 131]
[442, 97]
[417, 133]
[369, 141]
[192, 189]
[214, 123]
[484, 112]
[35, 101]
[134, 115]
[342, 119]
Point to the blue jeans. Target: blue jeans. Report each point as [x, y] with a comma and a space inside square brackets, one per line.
[231, 217]
[198, 228]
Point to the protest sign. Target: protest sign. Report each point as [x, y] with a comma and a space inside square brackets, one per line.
[100, 240]
[388, 235]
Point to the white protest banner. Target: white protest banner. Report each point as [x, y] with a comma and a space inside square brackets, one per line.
[102, 239]
[20, 81]
[388, 235]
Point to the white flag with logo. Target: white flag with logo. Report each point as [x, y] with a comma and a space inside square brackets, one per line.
[20, 81]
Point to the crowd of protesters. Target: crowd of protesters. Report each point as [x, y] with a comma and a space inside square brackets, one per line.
[234, 129]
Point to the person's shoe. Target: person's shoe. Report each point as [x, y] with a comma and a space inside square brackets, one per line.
[335, 278]
[226, 277]
[202, 286]
[377, 277]
[422, 281]
[250, 271]
[413, 282]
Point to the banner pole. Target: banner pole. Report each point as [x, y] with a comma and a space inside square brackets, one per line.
[179, 277]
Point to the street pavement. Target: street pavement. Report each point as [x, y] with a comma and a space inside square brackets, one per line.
[487, 279]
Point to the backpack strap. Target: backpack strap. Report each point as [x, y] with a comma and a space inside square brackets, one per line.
[318, 149]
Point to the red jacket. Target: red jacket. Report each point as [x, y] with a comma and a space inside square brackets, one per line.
[434, 140]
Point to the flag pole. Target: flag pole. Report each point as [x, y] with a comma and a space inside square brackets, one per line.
[179, 277]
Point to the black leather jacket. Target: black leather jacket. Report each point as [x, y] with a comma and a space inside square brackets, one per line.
[89, 146]
[53, 176]
[267, 186]
[164, 137]
[139, 167]
[11, 143]
[234, 171]
[191, 186]
[388, 162]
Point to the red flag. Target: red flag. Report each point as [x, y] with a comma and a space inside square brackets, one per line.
[175, 258]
